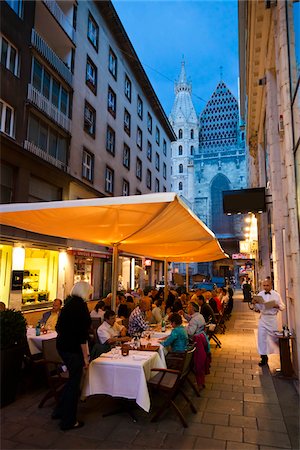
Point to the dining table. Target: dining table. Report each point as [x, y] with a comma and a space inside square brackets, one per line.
[123, 376]
[35, 343]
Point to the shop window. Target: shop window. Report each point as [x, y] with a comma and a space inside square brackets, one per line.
[83, 269]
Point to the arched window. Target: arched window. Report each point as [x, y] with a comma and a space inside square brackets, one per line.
[192, 149]
[180, 168]
[180, 150]
[180, 134]
[180, 186]
[220, 223]
[192, 134]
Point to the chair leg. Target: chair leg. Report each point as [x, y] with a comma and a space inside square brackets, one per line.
[193, 386]
[179, 413]
[217, 340]
[193, 409]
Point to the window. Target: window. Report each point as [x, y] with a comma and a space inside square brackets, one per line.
[139, 138]
[127, 121]
[93, 31]
[157, 136]
[149, 151]
[9, 56]
[91, 75]
[127, 88]
[180, 133]
[7, 116]
[192, 149]
[111, 102]
[110, 140]
[125, 188]
[149, 179]
[87, 165]
[17, 6]
[138, 192]
[50, 88]
[157, 161]
[47, 139]
[140, 107]
[126, 156]
[180, 150]
[89, 119]
[164, 147]
[7, 182]
[156, 185]
[164, 170]
[112, 63]
[149, 123]
[164, 189]
[192, 134]
[180, 168]
[109, 180]
[138, 170]
[180, 186]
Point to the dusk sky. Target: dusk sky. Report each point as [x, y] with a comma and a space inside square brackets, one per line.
[205, 32]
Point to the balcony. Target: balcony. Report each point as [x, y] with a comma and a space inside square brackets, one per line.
[61, 18]
[45, 156]
[48, 108]
[40, 45]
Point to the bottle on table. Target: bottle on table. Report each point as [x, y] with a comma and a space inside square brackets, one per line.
[163, 326]
[38, 329]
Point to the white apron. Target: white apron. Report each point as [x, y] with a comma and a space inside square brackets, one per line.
[266, 341]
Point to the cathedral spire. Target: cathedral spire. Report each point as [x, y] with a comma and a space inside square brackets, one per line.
[182, 84]
[182, 77]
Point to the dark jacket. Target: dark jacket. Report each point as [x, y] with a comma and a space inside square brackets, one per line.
[208, 313]
[73, 325]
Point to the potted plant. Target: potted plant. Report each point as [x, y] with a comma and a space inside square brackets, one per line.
[12, 345]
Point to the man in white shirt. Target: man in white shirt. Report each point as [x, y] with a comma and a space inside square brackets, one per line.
[111, 332]
[196, 322]
[266, 340]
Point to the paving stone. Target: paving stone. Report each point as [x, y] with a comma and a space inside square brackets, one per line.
[232, 433]
[228, 407]
[210, 444]
[170, 425]
[243, 421]
[240, 446]
[222, 387]
[72, 440]
[261, 398]
[261, 410]
[210, 394]
[32, 436]
[234, 369]
[271, 425]
[151, 440]
[215, 418]
[179, 442]
[232, 395]
[6, 444]
[279, 440]
[233, 382]
[198, 429]
[10, 429]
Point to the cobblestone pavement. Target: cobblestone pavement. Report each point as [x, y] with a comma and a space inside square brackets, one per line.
[243, 407]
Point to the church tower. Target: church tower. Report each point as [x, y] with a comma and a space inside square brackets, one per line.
[220, 164]
[184, 121]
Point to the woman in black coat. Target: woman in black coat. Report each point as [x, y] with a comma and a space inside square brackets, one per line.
[72, 335]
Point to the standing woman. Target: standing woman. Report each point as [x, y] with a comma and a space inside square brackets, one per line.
[72, 335]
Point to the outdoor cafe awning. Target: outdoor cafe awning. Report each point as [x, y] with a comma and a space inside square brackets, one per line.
[158, 226]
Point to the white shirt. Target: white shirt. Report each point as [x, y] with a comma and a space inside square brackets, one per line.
[97, 315]
[268, 297]
[106, 331]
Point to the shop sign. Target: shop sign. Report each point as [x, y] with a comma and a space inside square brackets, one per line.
[148, 262]
[240, 256]
[87, 254]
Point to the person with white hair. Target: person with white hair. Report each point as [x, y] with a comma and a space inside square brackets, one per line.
[72, 344]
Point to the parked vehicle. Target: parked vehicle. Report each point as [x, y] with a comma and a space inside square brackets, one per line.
[207, 285]
[219, 281]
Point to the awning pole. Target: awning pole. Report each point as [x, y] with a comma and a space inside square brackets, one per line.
[115, 276]
[187, 277]
[166, 279]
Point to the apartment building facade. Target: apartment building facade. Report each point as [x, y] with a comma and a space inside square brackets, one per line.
[79, 119]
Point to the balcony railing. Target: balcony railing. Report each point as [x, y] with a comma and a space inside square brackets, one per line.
[60, 17]
[46, 106]
[43, 48]
[42, 154]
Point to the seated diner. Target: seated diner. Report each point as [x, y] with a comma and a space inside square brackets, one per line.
[178, 339]
[110, 332]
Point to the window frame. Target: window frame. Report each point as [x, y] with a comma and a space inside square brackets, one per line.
[89, 107]
[157, 185]
[180, 168]
[126, 160]
[157, 135]
[88, 80]
[127, 125]
[149, 123]
[16, 71]
[164, 147]
[157, 161]
[149, 151]
[139, 107]
[109, 181]
[20, 9]
[124, 184]
[149, 179]
[110, 131]
[93, 21]
[139, 168]
[180, 186]
[127, 92]
[139, 138]
[112, 63]
[111, 101]
[180, 150]
[180, 133]
[164, 170]
[89, 168]
[3, 119]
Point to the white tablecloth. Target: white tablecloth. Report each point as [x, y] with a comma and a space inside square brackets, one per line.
[123, 377]
[161, 334]
[35, 342]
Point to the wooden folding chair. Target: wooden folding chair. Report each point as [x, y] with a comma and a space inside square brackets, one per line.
[169, 383]
[56, 376]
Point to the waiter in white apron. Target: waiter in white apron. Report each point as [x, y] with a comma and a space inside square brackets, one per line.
[266, 341]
